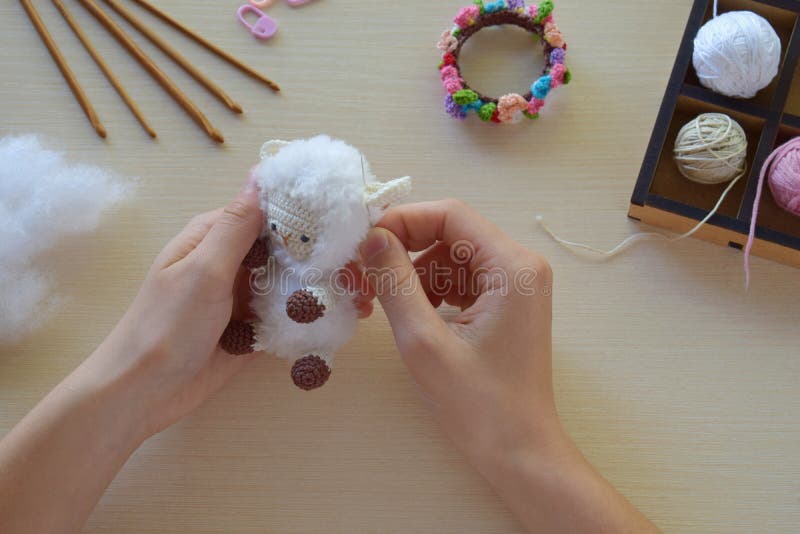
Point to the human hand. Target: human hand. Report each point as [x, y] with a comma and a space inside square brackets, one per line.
[164, 354]
[486, 371]
[160, 362]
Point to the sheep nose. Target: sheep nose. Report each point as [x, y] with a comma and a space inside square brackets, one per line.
[285, 239]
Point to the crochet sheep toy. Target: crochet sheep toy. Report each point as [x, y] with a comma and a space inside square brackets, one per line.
[319, 199]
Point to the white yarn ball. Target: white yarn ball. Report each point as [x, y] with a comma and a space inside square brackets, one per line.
[737, 54]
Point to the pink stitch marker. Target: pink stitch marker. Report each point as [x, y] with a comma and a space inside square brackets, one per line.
[264, 28]
[261, 4]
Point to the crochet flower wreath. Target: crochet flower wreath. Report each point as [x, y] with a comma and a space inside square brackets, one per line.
[510, 108]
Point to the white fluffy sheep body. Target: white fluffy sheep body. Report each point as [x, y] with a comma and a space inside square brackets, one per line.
[280, 336]
[319, 200]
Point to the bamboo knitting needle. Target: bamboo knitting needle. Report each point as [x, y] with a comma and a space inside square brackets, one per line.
[150, 66]
[103, 66]
[175, 55]
[77, 90]
[208, 45]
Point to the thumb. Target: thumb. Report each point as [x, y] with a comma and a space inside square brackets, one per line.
[398, 287]
[233, 233]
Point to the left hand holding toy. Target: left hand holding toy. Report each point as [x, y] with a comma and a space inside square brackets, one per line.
[158, 364]
[172, 330]
[164, 350]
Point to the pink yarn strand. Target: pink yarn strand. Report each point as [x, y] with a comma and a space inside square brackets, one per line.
[778, 155]
[754, 220]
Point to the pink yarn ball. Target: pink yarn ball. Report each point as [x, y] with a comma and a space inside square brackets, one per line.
[782, 173]
[784, 176]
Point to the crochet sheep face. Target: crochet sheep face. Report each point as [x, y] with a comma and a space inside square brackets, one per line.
[319, 199]
[291, 222]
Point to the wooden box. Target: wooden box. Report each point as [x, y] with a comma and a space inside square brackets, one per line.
[664, 198]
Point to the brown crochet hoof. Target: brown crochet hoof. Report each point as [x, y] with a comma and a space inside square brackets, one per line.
[303, 307]
[310, 372]
[238, 338]
[258, 255]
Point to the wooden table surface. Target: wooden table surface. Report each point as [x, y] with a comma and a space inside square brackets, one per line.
[680, 386]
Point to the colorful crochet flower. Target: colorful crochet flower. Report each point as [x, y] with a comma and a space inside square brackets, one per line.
[535, 106]
[557, 74]
[553, 35]
[453, 109]
[487, 111]
[542, 11]
[541, 88]
[465, 97]
[512, 107]
[467, 16]
[448, 71]
[494, 7]
[447, 43]
[516, 5]
[472, 106]
[452, 85]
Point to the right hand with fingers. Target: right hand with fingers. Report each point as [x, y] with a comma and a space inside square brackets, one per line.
[487, 371]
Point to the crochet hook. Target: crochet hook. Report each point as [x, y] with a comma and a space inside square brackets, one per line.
[207, 44]
[176, 56]
[87, 44]
[152, 69]
[69, 76]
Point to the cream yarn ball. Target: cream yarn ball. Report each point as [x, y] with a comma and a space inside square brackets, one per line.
[737, 54]
[711, 149]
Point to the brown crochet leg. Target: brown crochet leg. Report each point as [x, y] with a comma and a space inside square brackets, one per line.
[258, 255]
[238, 338]
[310, 372]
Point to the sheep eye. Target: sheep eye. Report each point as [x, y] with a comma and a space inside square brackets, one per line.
[274, 227]
[305, 239]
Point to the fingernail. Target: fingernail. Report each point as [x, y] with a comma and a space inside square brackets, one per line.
[375, 243]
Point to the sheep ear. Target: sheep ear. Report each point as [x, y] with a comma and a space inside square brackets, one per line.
[379, 196]
[270, 148]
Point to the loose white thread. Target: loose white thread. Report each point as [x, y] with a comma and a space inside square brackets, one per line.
[607, 254]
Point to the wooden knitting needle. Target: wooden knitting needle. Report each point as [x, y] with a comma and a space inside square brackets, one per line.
[104, 66]
[150, 66]
[175, 55]
[77, 90]
[208, 45]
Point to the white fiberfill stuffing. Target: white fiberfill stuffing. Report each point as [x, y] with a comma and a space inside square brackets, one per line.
[42, 201]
